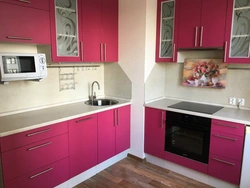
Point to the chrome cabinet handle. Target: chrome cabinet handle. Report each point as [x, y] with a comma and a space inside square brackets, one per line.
[85, 119]
[225, 137]
[40, 173]
[101, 51]
[231, 126]
[115, 118]
[42, 145]
[81, 48]
[162, 119]
[225, 52]
[201, 36]
[196, 35]
[105, 51]
[20, 38]
[39, 132]
[226, 162]
[174, 53]
[25, 1]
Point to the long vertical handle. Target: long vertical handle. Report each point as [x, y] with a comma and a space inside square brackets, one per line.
[105, 51]
[115, 117]
[174, 56]
[81, 47]
[196, 35]
[225, 52]
[201, 36]
[162, 119]
[101, 52]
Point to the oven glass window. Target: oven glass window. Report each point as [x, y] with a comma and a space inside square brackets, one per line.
[187, 140]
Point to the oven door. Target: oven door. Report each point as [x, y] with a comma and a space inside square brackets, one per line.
[188, 141]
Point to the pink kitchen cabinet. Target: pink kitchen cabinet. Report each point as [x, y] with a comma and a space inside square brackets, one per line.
[38, 4]
[167, 30]
[155, 124]
[31, 136]
[46, 177]
[113, 132]
[82, 144]
[202, 23]
[20, 161]
[100, 30]
[24, 24]
[237, 33]
[226, 149]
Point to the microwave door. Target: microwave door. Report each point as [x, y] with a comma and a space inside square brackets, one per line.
[26, 64]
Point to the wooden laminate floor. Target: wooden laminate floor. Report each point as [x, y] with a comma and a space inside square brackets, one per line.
[131, 173]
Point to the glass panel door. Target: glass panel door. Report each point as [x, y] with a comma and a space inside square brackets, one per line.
[167, 29]
[67, 28]
[240, 38]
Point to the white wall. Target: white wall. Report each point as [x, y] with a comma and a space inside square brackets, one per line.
[136, 53]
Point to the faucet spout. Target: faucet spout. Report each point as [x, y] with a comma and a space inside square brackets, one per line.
[93, 96]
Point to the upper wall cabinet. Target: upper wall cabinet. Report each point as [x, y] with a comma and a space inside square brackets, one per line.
[100, 30]
[202, 23]
[66, 37]
[167, 30]
[84, 30]
[29, 23]
[237, 32]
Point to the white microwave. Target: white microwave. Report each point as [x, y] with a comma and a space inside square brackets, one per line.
[22, 67]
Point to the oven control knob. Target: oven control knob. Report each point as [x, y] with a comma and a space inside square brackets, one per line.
[42, 60]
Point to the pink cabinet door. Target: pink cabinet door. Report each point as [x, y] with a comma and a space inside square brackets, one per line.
[23, 24]
[82, 144]
[106, 135]
[48, 176]
[91, 30]
[167, 31]
[224, 168]
[155, 132]
[44, 5]
[189, 24]
[31, 136]
[237, 48]
[66, 35]
[110, 30]
[213, 22]
[31, 157]
[122, 128]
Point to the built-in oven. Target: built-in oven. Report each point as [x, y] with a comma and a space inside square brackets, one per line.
[188, 136]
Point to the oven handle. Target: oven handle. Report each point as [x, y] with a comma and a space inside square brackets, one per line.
[225, 137]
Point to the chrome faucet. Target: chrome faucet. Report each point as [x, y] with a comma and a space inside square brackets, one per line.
[93, 94]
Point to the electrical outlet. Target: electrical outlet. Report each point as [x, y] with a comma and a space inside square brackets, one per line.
[232, 100]
[241, 101]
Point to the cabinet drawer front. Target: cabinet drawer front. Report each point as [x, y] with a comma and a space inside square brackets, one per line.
[31, 136]
[25, 159]
[224, 168]
[228, 127]
[44, 4]
[227, 145]
[23, 24]
[48, 176]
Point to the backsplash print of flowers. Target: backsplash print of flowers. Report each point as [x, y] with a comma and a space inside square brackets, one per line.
[210, 73]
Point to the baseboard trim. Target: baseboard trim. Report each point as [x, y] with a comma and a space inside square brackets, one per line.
[136, 158]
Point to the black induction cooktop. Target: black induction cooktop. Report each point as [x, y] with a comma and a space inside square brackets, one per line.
[196, 107]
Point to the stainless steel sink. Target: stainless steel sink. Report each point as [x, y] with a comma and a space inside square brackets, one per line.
[101, 102]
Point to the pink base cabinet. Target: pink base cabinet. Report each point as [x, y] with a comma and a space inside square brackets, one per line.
[113, 132]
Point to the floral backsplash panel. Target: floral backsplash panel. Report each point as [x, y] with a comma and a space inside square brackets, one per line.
[209, 73]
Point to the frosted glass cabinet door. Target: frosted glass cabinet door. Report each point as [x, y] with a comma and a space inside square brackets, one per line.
[166, 29]
[238, 32]
[66, 43]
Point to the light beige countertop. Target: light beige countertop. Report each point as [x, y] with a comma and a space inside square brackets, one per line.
[226, 114]
[11, 124]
